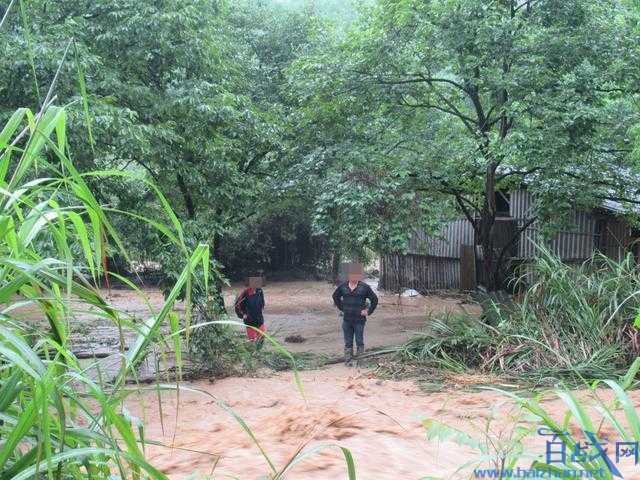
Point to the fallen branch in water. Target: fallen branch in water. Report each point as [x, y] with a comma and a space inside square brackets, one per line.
[370, 354]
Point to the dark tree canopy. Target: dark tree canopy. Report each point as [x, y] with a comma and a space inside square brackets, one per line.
[289, 133]
[467, 98]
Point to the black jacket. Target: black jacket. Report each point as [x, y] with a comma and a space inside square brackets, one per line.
[251, 303]
[351, 303]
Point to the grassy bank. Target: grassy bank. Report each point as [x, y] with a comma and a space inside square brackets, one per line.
[570, 322]
[58, 418]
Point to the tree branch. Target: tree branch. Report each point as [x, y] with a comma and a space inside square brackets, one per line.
[420, 78]
[515, 238]
[460, 201]
[188, 199]
[522, 173]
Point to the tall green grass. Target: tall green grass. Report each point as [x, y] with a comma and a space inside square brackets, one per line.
[584, 419]
[50, 423]
[56, 420]
[570, 321]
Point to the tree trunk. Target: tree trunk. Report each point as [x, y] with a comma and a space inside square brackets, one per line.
[217, 284]
[335, 266]
[490, 261]
[188, 200]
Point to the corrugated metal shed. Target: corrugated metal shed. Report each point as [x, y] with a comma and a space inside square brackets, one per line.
[420, 272]
[577, 242]
[446, 244]
[433, 262]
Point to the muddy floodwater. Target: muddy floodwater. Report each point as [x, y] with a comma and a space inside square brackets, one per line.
[380, 421]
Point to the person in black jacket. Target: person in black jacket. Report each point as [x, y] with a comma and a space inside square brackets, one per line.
[249, 306]
[351, 299]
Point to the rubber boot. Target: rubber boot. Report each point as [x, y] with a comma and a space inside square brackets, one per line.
[359, 352]
[348, 356]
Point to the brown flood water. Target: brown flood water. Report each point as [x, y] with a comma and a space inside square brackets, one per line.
[300, 308]
[379, 421]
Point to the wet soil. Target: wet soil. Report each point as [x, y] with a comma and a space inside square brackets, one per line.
[379, 421]
[301, 309]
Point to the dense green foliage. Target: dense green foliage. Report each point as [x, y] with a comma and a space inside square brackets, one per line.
[452, 102]
[189, 94]
[571, 321]
[283, 131]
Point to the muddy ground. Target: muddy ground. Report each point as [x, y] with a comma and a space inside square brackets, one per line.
[379, 421]
[301, 308]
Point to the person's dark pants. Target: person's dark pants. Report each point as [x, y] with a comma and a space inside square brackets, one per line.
[353, 329]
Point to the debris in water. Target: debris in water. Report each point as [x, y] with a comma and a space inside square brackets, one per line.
[295, 339]
[410, 292]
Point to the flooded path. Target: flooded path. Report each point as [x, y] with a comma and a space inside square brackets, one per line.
[296, 308]
[380, 421]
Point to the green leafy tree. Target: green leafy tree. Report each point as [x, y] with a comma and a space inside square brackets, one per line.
[478, 97]
[184, 92]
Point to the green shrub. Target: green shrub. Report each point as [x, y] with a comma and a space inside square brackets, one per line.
[219, 349]
[570, 321]
[586, 421]
[455, 342]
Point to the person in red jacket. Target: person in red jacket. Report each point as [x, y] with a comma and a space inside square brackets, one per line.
[249, 306]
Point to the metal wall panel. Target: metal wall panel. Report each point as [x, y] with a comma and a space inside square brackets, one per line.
[520, 204]
[616, 239]
[447, 243]
[577, 241]
[433, 262]
[420, 272]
